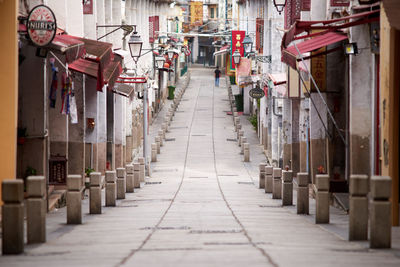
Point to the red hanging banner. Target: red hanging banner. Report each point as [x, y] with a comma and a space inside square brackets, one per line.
[237, 43]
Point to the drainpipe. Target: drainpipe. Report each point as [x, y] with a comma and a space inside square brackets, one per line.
[46, 130]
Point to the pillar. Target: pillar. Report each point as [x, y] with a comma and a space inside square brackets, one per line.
[95, 193]
[302, 193]
[269, 179]
[277, 183]
[130, 182]
[111, 189]
[287, 188]
[380, 232]
[322, 198]
[262, 174]
[74, 199]
[136, 174]
[358, 213]
[121, 183]
[36, 209]
[12, 214]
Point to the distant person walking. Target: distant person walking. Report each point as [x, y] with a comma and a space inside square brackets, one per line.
[217, 74]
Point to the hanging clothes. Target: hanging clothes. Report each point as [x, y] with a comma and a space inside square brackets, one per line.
[72, 108]
[65, 94]
[54, 83]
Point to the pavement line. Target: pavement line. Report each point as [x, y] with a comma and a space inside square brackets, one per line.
[251, 242]
[134, 251]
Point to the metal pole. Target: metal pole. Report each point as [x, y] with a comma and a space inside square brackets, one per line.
[145, 130]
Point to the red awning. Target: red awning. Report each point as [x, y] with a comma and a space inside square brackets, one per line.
[91, 68]
[277, 78]
[98, 51]
[84, 66]
[69, 46]
[289, 55]
[325, 25]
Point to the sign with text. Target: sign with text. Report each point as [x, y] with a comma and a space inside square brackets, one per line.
[154, 27]
[41, 25]
[318, 70]
[256, 93]
[196, 13]
[237, 44]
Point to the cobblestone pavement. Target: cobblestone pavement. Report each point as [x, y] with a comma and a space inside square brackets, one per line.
[201, 207]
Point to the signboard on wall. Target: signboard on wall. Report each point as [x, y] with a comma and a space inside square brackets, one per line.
[154, 27]
[196, 13]
[88, 7]
[294, 88]
[41, 25]
[237, 43]
[318, 70]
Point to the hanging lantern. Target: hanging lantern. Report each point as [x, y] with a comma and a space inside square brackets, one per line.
[280, 5]
[236, 57]
[135, 46]
[160, 62]
[247, 44]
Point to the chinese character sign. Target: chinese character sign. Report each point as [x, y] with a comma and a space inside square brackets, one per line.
[237, 43]
[154, 27]
[318, 70]
[196, 13]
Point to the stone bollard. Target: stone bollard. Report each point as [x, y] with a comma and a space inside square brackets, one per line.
[36, 209]
[154, 152]
[111, 189]
[165, 128]
[74, 199]
[380, 217]
[287, 188]
[302, 193]
[246, 152]
[95, 193]
[358, 212]
[269, 180]
[157, 139]
[136, 174]
[130, 182]
[12, 214]
[160, 134]
[242, 141]
[142, 168]
[121, 183]
[240, 133]
[277, 183]
[236, 122]
[262, 174]
[322, 198]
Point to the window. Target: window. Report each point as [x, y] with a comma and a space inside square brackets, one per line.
[212, 12]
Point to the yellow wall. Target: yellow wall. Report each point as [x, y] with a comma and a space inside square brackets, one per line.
[9, 88]
[389, 84]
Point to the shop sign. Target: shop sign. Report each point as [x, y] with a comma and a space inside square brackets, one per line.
[41, 25]
[154, 27]
[257, 93]
[237, 43]
[318, 70]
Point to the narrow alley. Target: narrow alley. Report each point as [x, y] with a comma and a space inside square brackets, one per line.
[202, 207]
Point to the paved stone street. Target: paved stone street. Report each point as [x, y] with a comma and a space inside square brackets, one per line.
[202, 207]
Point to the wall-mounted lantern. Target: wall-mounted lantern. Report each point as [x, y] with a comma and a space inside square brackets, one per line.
[280, 5]
[351, 49]
[135, 46]
[236, 57]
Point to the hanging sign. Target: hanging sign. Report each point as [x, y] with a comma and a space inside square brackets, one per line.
[88, 7]
[41, 25]
[237, 44]
[257, 93]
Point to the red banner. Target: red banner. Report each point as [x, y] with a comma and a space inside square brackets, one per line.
[237, 44]
[154, 27]
[87, 6]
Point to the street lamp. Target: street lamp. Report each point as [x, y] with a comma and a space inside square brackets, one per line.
[135, 46]
[236, 57]
[160, 62]
[170, 54]
[247, 44]
[280, 5]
